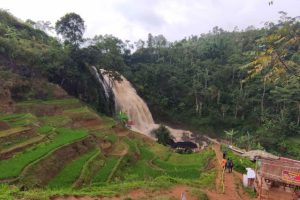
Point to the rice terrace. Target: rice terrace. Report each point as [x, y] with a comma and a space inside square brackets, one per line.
[150, 100]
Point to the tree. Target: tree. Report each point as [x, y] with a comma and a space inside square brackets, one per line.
[71, 27]
[276, 49]
[163, 135]
[230, 134]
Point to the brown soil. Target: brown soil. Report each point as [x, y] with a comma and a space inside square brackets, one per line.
[121, 132]
[41, 173]
[3, 126]
[7, 105]
[90, 124]
[5, 154]
[120, 149]
[138, 194]
[105, 145]
[21, 135]
[46, 110]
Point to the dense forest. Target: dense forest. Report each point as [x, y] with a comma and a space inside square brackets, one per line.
[243, 84]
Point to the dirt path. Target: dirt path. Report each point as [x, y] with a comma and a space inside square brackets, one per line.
[139, 194]
[231, 182]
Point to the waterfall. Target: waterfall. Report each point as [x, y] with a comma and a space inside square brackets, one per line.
[101, 81]
[127, 100]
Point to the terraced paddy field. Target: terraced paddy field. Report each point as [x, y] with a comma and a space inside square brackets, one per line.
[62, 147]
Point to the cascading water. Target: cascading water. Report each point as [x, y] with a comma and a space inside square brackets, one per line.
[99, 78]
[127, 100]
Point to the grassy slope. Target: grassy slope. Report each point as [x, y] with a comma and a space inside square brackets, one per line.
[145, 165]
[12, 167]
[72, 171]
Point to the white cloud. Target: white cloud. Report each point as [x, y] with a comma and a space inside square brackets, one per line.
[134, 19]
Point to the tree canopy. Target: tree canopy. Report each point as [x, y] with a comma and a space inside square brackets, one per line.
[71, 27]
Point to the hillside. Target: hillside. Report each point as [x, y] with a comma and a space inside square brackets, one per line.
[243, 81]
[59, 133]
[60, 144]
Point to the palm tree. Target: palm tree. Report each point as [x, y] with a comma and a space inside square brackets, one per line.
[122, 118]
[230, 134]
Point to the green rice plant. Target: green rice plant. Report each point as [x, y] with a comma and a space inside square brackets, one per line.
[71, 171]
[12, 131]
[20, 119]
[12, 167]
[105, 171]
[141, 170]
[82, 109]
[7, 192]
[45, 129]
[201, 159]
[89, 169]
[112, 137]
[55, 121]
[66, 101]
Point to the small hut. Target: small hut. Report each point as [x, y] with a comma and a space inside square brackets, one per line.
[277, 178]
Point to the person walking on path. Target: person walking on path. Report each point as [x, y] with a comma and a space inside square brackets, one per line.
[224, 155]
[231, 166]
[223, 163]
[228, 165]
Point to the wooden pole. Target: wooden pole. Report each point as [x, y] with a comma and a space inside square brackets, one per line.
[260, 189]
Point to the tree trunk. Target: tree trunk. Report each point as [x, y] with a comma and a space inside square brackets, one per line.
[298, 120]
[62, 81]
[219, 97]
[236, 111]
[200, 108]
[196, 103]
[263, 98]
[232, 79]
[206, 79]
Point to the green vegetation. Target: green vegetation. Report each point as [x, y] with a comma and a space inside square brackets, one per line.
[12, 167]
[104, 172]
[61, 102]
[245, 80]
[7, 193]
[71, 172]
[45, 129]
[122, 118]
[112, 137]
[55, 121]
[200, 195]
[90, 168]
[13, 131]
[19, 119]
[163, 135]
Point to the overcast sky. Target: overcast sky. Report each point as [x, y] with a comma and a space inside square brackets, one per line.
[175, 19]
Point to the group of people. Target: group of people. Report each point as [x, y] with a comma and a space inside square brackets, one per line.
[227, 164]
